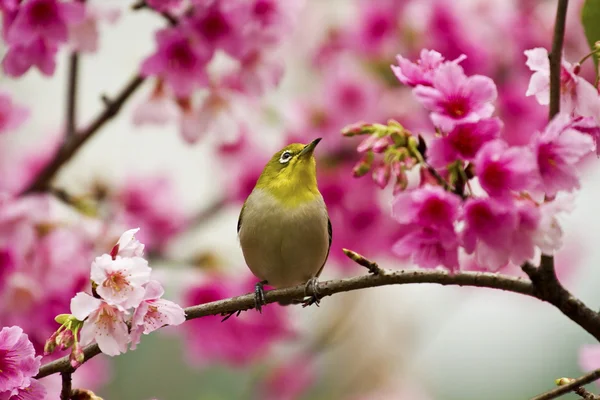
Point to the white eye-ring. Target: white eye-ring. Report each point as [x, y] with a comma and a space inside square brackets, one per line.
[286, 156]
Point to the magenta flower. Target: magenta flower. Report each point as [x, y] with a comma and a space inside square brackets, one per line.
[557, 149]
[39, 53]
[429, 247]
[426, 206]
[577, 95]
[44, 19]
[420, 73]
[120, 280]
[11, 115]
[18, 362]
[165, 5]
[462, 142]
[35, 391]
[502, 169]
[154, 313]
[456, 98]
[180, 60]
[105, 323]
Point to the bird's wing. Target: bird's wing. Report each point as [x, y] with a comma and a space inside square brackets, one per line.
[239, 224]
[330, 231]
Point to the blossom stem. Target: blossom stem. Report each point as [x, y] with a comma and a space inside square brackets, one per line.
[570, 387]
[65, 392]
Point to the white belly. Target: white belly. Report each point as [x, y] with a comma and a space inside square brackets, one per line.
[284, 246]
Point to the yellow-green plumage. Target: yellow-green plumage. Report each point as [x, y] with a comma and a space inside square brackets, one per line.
[284, 228]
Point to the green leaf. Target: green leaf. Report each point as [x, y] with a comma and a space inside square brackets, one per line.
[62, 318]
[590, 18]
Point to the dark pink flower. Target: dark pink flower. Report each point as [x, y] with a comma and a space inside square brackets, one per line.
[180, 60]
[502, 169]
[456, 98]
[35, 391]
[44, 19]
[211, 340]
[377, 28]
[557, 149]
[11, 115]
[154, 313]
[429, 247]
[420, 73]
[18, 362]
[462, 142]
[426, 206]
[165, 5]
[39, 53]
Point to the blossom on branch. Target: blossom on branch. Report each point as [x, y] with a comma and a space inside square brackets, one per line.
[18, 365]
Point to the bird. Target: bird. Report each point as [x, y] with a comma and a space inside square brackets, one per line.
[284, 228]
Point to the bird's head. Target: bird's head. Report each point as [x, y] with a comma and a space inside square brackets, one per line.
[291, 174]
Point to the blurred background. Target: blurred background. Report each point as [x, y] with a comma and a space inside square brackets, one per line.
[328, 68]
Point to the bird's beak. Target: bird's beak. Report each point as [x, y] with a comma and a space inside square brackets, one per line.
[309, 148]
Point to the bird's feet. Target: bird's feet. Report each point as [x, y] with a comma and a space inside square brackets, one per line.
[311, 293]
[259, 296]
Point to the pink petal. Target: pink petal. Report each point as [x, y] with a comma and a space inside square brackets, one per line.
[82, 305]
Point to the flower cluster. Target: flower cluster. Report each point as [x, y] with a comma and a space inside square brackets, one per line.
[122, 294]
[478, 195]
[19, 364]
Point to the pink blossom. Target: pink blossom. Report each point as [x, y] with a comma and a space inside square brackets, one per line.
[211, 340]
[128, 245]
[257, 72]
[589, 357]
[19, 58]
[557, 149]
[422, 72]
[180, 60]
[44, 19]
[456, 98]
[11, 115]
[105, 324]
[290, 380]
[18, 360]
[462, 142]
[502, 169]
[35, 391]
[120, 280]
[429, 247]
[377, 29]
[548, 234]
[426, 206]
[154, 313]
[84, 35]
[577, 95]
[165, 5]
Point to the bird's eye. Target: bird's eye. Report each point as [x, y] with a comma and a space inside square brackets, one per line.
[286, 156]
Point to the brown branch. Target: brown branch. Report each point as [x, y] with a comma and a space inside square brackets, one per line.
[71, 117]
[555, 56]
[142, 5]
[43, 180]
[569, 387]
[585, 394]
[65, 392]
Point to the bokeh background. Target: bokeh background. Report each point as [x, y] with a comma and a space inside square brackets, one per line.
[415, 342]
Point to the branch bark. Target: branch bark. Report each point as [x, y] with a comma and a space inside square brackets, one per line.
[555, 56]
[570, 387]
[73, 78]
[65, 392]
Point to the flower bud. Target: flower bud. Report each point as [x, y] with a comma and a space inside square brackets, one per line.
[76, 357]
[65, 339]
[358, 128]
[367, 144]
[382, 144]
[401, 182]
[50, 345]
[363, 165]
[381, 175]
[576, 68]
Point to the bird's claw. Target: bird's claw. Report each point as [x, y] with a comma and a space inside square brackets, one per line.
[311, 293]
[259, 296]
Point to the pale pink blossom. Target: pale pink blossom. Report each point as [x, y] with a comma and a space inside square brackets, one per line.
[455, 98]
[158, 109]
[154, 313]
[549, 234]
[120, 280]
[12, 115]
[290, 380]
[578, 96]
[18, 360]
[35, 391]
[83, 35]
[589, 357]
[105, 324]
[39, 53]
[421, 72]
[128, 245]
[462, 142]
[557, 149]
[428, 247]
[502, 169]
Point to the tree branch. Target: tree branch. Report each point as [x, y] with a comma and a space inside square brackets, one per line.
[569, 387]
[68, 151]
[555, 56]
[65, 392]
[71, 117]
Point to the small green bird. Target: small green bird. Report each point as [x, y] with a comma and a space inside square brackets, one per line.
[284, 228]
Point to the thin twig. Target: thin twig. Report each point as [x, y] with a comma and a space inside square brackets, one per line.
[585, 394]
[71, 117]
[555, 56]
[65, 392]
[68, 151]
[142, 5]
[571, 386]
[373, 267]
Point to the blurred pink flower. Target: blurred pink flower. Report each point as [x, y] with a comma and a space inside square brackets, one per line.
[456, 98]
[503, 170]
[377, 28]
[39, 53]
[180, 60]
[35, 391]
[157, 109]
[120, 280]
[462, 142]
[105, 324]
[154, 313]
[210, 340]
[165, 5]
[47, 20]
[420, 73]
[429, 247]
[84, 34]
[95, 373]
[11, 115]
[578, 95]
[290, 380]
[589, 357]
[557, 149]
[18, 360]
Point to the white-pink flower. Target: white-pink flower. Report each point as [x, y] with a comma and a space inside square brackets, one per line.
[153, 313]
[120, 281]
[128, 245]
[105, 323]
